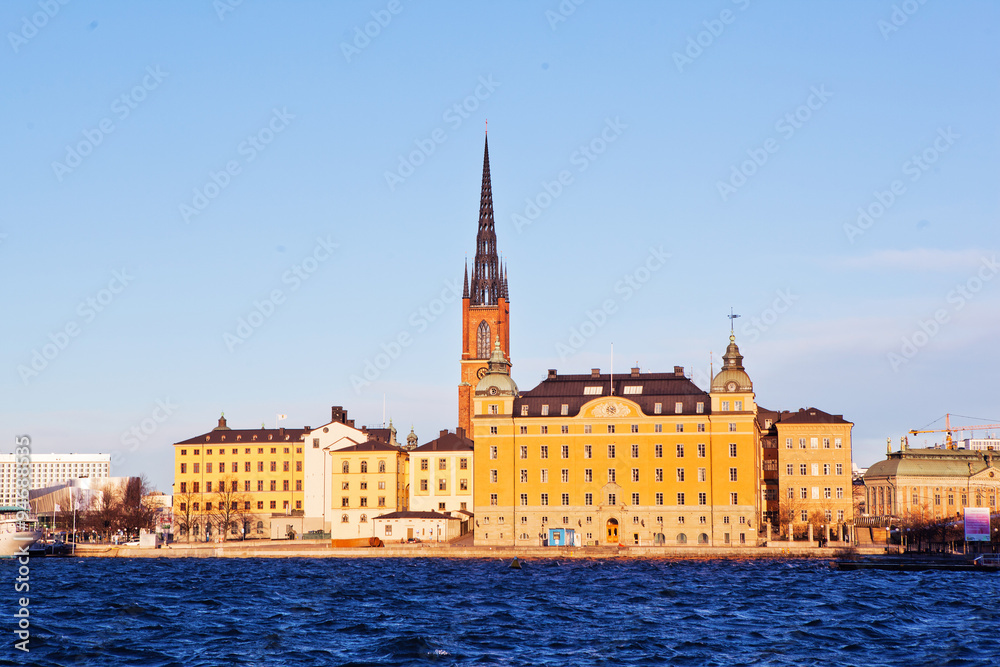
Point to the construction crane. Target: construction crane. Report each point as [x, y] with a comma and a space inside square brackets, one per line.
[949, 442]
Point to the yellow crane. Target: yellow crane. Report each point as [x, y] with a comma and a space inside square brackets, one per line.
[949, 442]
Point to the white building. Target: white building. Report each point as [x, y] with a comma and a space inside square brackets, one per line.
[983, 444]
[317, 501]
[441, 474]
[51, 470]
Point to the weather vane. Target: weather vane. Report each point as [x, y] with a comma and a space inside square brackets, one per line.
[732, 321]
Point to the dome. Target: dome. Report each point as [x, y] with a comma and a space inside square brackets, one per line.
[732, 377]
[497, 380]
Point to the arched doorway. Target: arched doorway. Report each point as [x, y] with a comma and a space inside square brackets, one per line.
[659, 539]
[612, 531]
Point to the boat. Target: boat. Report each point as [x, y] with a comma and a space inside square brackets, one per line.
[18, 530]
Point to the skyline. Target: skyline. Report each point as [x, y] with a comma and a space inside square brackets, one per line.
[262, 213]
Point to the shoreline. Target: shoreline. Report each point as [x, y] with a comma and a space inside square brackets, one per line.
[322, 549]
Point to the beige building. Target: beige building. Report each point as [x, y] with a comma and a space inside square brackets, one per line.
[418, 526]
[368, 479]
[932, 483]
[441, 474]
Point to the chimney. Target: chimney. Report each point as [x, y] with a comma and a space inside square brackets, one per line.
[460, 432]
[552, 373]
[595, 372]
[443, 433]
[635, 371]
[678, 371]
[338, 414]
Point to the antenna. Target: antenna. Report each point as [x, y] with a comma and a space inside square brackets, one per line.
[612, 369]
[383, 410]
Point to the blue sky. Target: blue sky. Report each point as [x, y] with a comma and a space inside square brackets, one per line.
[171, 169]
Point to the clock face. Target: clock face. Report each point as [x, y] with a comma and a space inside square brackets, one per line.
[481, 373]
[731, 386]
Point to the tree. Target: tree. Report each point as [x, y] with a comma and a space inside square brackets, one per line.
[229, 506]
[788, 513]
[135, 510]
[185, 517]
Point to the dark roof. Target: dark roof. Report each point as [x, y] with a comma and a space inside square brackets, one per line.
[557, 390]
[247, 436]
[933, 462]
[380, 434]
[447, 442]
[369, 446]
[811, 416]
[415, 515]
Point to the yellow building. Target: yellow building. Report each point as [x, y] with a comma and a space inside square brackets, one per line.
[441, 474]
[368, 479]
[640, 459]
[234, 480]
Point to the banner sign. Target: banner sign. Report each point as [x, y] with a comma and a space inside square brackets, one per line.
[977, 524]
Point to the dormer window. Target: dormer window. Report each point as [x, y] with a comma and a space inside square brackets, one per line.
[593, 391]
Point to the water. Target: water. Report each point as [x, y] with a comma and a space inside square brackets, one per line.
[190, 612]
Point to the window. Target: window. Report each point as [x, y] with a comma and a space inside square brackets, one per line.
[442, 485]
[815, 493]
[659, 498]
[702, 499]
[260, 484]
[463, 485]
[587, 428]
[274, 466]
[635, 451]
[612, 499]
[732, 476]
[588, 499]
[791, 492]
[738, 406]
[493, 499]
[588, 475]
[524, 413]
[699, 408]
[840, 494]
[611, 451]
[813, 443]
[788, 443]
[345, 468]
[544, 452]
[208, 487]
[611, 428]
[725, 406]
[493, 454]
[494, 409]
[524, 429]
[815, 469]
[545, 410]
[733, 498]
[565, 451]
[680, 451]
[804, 515]
[524, 451]
[803, 469]
[635, 474]
[493, 430]
[658, 451]
[826, 492]
[635, 501]
[826, 468]
[732, 450]
[657, 408]
[802, 443]
[803, 493]
[524, 476]
[611, 474]
[701, 450]
[680, 498]
[381, 486]
[564, 410]
[679, 428]
[260, 466]
[593, 391]
[545, 499]
[635, 428]
[545, 430]
[826, 443]
[790, 469]
[732, 427]
[344, 502]
[545, 475]
[524, 502]
[657, 428]
[184, 468]
[483, 343]
[680, 474]
[565, 500]
[284, 485]
[208, 466]
[702, 475]
[274, 485]
[565, 475]
[840, 468]
[837, 443]
[493, 476]
[587, 452]
[423, 485]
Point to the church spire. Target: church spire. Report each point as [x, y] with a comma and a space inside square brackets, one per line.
[486, 278]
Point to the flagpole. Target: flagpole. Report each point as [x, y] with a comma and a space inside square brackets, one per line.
[74, 521]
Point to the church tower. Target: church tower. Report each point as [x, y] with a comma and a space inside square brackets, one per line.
[485, 309]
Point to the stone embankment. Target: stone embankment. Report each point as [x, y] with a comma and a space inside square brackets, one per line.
[322, 549]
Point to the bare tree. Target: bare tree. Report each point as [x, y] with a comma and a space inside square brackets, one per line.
[229, 506]
[185, 516]
[136, 511]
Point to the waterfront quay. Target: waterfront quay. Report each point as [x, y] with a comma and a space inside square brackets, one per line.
[322, 549]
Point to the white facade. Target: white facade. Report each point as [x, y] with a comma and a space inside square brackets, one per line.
[318, 494]
[51, 470]
[399, 527]
[983, 444]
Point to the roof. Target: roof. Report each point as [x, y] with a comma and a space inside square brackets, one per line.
[258, 435]
[811, 416]
[447, 442]
[558, 390]
[370, 446]
[933, 463]
[415, 515]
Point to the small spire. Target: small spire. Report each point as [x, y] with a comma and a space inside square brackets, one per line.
[465, 290]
